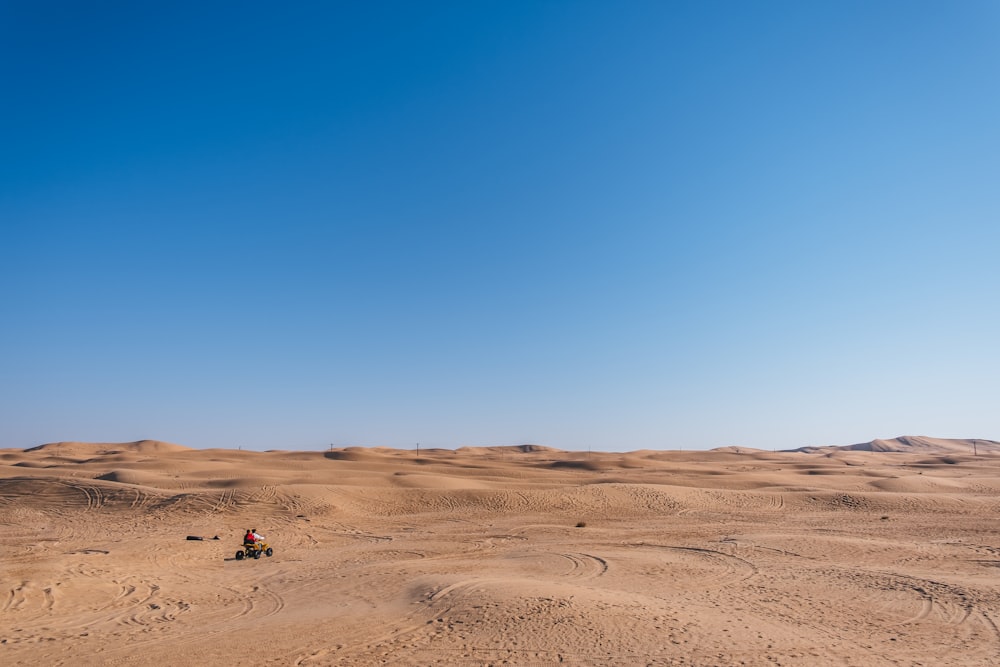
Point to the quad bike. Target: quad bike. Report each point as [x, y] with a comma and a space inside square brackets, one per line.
[254, 550]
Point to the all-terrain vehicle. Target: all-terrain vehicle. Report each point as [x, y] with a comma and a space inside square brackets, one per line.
[254, 550]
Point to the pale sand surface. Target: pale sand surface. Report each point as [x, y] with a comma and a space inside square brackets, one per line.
[474, 557]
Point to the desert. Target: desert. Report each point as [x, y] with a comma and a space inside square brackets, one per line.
[885, 553]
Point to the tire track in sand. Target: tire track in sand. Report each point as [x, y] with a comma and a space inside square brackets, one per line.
[705, 569]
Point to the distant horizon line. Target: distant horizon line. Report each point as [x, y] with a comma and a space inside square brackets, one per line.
[904, 440]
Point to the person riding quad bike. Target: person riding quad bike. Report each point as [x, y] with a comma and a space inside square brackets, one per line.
[254, 544]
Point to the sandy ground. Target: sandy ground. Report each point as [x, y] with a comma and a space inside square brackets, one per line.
[521, 556]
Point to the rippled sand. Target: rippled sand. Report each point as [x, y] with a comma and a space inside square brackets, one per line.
[489, 556]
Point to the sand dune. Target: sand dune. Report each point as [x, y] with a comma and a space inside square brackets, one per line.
[88, 449]
[914, 444]
[877, 554]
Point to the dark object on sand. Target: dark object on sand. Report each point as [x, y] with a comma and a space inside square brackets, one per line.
[195, 537]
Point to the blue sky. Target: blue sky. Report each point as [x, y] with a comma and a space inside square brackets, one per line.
[581, 224]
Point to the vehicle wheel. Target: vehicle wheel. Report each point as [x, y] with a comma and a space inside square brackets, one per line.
[256, 554]
[269, 552]
[239, 555]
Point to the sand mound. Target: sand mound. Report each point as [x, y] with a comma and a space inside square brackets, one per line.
[355, 454]
[916, 444]
[90, 449]
[136, 477]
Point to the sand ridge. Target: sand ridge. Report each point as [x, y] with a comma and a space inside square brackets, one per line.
[885, 555]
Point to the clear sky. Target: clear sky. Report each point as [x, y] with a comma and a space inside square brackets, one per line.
[607, 225]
